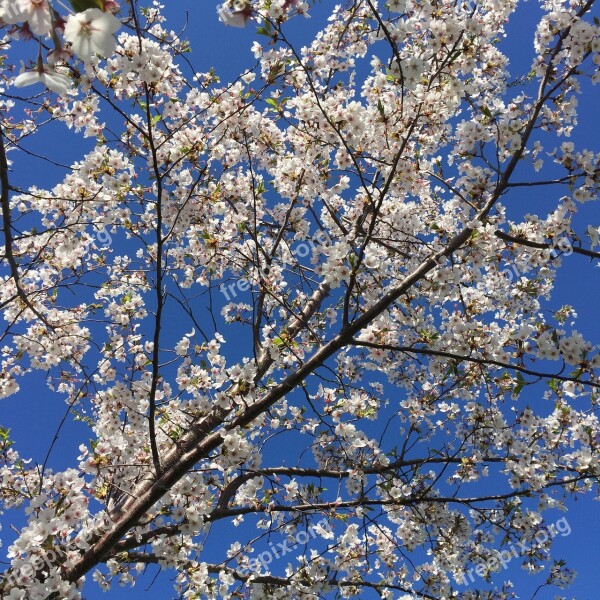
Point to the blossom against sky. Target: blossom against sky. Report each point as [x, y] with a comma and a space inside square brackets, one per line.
[208, 40]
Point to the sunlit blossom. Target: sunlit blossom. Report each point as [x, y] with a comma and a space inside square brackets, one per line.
[91, 32]
[235, 14]
[388, 319]
[43, 74]
[36, 13]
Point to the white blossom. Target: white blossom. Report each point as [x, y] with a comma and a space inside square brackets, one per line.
[92, 32]
[57, 82]
[235, 14]
[35, 12]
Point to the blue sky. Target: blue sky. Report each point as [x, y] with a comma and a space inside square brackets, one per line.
[33, 418]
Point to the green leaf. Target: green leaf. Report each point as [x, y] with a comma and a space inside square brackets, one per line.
[4, 434]
[265, 29]
[487, 112]
[521, 383]
[81, 5]
[451, 370]
[576, 374]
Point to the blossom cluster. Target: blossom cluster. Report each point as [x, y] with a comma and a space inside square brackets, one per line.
[86, 33]
[379, 370]
[238, 13]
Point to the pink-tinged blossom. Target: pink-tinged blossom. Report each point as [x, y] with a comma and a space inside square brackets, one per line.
[37, 14]
[398, 6]
[23, 32]
[62, 55]
[91, 32]
[34, 12]
[235, 15]
[305, 192]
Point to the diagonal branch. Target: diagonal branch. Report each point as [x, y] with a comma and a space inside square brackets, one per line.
[542, 245]
[474, 359]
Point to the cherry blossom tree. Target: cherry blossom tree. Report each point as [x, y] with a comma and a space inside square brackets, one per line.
[299, 312]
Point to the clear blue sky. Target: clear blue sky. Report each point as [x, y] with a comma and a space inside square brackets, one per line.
[33, 418]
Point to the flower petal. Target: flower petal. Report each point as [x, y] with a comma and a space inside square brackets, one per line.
[27, 78]
[51, 79]
[56, 82]
[91, 32]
